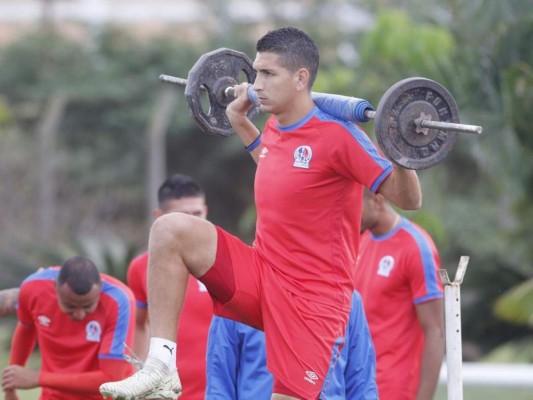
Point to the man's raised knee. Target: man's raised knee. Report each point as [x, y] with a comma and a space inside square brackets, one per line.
[169, 228]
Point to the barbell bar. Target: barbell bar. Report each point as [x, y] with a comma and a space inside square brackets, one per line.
[369, 113]
[342, 107]
[416, 121]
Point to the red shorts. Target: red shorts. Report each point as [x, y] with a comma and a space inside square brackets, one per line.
[300, 334]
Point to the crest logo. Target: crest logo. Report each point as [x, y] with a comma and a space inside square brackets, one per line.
[386, 264]
[44, 320]
[263, 152]
[302, 157]
[93, 331]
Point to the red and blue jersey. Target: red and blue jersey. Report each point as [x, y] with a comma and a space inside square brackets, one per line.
[395, 272]
[70, 346]
[192, 331]
[308, 191]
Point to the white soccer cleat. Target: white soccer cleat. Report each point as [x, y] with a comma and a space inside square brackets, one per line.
[153, 381]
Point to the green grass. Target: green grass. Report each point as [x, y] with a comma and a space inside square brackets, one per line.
[489, 393]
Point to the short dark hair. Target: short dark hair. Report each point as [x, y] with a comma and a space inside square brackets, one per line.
[178, 186]
[295, 48]
[80, 274]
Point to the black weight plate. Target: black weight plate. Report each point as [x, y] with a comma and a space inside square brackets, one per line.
[395, 128]
[214, 72]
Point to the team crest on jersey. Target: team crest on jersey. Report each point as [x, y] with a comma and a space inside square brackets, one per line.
[93, 331]
[302, 157]
[44, 320]
[386, 264]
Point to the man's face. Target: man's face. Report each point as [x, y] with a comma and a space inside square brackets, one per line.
[274, 84]
[188, 205]
[77, 306]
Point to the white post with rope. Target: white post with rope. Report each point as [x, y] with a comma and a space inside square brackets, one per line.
[452, 315]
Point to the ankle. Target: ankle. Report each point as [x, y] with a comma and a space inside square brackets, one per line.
[163, 350]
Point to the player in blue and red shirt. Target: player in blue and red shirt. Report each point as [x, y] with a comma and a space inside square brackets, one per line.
[81, 320]
[397, 276]
[295, 282]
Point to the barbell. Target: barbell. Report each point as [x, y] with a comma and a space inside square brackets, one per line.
[416, 120]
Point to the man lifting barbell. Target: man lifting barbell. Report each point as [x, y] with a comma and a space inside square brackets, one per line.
[295, 281]
[416, 119]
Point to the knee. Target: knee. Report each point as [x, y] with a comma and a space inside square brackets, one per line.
[169, 228]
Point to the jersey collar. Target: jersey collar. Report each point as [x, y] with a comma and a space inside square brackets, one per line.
[298, 124]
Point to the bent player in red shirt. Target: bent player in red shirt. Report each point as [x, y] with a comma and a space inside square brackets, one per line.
[81, 320]
[179, 193]
[295, 282]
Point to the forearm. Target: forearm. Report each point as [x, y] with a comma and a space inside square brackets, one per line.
[237, 113]
[8, 301]
[402, 188]
[85, 382]
[430, 366]
[22, 344]
[10, 395]
[248, 133]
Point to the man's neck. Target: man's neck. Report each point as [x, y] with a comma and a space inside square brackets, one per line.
[302, 106]
[387, 224]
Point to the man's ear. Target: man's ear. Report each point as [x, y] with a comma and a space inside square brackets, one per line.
[157, 213]
[302, 79]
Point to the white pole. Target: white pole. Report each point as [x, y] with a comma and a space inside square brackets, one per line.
[452, 315]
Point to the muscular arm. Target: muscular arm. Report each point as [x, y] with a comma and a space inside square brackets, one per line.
[8, 301]
[431, 317]
[237, 116]
[402, 188]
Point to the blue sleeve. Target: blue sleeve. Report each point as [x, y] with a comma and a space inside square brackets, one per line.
[223, 353]
[360, 372]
